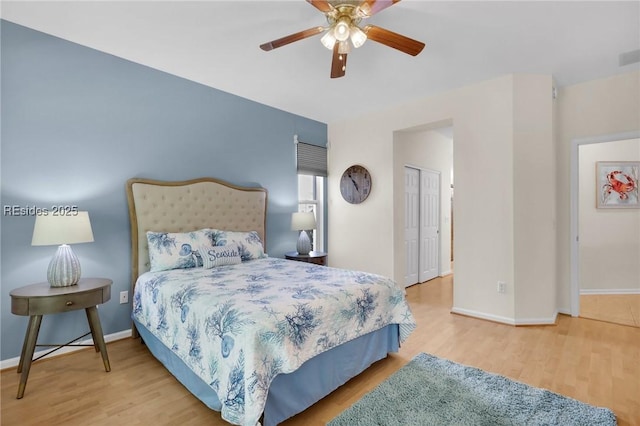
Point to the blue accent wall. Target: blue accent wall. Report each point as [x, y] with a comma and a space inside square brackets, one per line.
[77, 123]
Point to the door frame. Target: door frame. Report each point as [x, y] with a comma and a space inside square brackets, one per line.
[574, 209]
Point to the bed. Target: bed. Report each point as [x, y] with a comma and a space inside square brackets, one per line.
[258, 339]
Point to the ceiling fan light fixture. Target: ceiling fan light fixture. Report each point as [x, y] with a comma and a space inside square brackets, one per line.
[341, 29]
[328, 40]
[344, 47]
[358, 37]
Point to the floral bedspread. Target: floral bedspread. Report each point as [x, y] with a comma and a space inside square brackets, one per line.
[239, 326]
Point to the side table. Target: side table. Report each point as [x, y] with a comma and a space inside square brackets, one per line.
[40, 299]
[317, 257]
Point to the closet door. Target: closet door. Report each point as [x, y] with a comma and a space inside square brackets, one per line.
[429, 225]
[411, 225]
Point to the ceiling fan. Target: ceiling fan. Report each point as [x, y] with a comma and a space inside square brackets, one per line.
[344, 18]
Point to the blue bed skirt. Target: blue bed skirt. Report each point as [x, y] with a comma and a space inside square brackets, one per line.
[291, 393]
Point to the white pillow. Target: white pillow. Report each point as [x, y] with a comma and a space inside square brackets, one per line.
[249, 243]
[220, 256]
[175, 250]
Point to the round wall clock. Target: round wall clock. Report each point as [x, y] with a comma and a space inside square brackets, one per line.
[355, 184]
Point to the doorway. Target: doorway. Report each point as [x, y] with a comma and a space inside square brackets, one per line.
[424, 148]
[422, 225]
[605, 250]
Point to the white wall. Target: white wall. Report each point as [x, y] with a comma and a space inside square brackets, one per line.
[609, 238]
[534, 209]
[425, 149]
[600, 107]
[496, 236]
[493, 123]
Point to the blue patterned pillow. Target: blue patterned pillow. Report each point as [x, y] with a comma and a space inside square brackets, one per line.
[179, 250]
[249, 243]
[220, 256]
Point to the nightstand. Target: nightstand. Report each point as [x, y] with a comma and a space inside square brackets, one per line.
[40, 299]
[317, 257]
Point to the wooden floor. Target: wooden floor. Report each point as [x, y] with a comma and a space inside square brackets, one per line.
[592, 361]
[616, 308]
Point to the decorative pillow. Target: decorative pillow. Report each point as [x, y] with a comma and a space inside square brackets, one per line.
[177, 250]
[220, 255]
[249, 243]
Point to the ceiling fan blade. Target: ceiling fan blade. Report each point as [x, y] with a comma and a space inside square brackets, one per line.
[395, 40]
[291, 38]
[339, 63]
[322, 5]
[371, 7]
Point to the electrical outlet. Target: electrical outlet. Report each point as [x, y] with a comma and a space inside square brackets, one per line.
[502, 287]
[124, 297]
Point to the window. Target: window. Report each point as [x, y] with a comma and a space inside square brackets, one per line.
[311, 199]
[311, 164]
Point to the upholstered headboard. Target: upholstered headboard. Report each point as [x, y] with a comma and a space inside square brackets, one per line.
[184, 206]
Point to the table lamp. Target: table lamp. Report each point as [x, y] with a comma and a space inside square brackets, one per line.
[64, 268]
[303, 222]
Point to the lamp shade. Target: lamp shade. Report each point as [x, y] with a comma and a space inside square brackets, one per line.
[303, 221]
[358, 37]
[66, 229]
[64, 268]
[328, 40]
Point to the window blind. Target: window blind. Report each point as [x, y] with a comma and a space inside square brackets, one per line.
[311, 159]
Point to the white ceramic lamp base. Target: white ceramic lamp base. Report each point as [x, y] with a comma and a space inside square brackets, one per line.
[304, 244]
[64, 268]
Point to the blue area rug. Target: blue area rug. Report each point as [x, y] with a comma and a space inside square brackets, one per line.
[434, 391]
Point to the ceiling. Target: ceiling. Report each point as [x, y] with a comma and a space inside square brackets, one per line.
[216, 43]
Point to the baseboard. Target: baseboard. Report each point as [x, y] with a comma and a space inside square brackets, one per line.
[506, 320]
[482, 315]
[564, 311]
[445, 273]
[605, 291]
[538, 321]
[13, 362]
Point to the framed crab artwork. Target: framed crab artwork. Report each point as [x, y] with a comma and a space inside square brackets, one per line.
[617, 184]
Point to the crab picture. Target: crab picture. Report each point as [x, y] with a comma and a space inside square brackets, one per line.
[618, 184]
